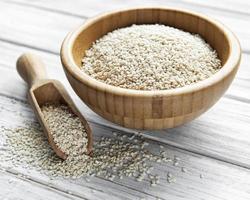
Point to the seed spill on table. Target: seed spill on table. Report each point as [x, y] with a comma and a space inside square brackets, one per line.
[112, 158]
[115, 156]
[150, 57]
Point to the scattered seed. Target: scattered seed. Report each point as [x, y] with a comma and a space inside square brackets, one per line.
[111, 157]
[183, 169]
[87, 179]
[176, 158]
[10, 181]
[145, 143]
[153, 184]
[169, 175]
[171, 180]
[139, 179]
[132, 137]
[69, 192]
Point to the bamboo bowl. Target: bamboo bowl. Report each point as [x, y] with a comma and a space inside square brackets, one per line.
[150, 109]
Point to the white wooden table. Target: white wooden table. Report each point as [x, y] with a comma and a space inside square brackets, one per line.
[216, 145]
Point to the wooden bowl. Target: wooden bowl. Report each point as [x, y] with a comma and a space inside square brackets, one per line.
[150, 109]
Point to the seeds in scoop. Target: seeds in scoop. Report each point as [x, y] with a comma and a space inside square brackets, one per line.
[66, 128]
[150, 57]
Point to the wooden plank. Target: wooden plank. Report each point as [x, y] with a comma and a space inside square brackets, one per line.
[220, 133]
[16, 187]
[96, 188]
[220, 181]
[241, 7]
[35, 28]
[80, 9]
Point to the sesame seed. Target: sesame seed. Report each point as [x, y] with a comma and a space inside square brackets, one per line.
[111, 157]
[183, 169]
[169, 175]
[66, 128]
[150, 57]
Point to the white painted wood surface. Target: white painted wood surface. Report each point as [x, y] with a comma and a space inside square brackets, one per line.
[216, 144]
[221, 180]
[18, 187]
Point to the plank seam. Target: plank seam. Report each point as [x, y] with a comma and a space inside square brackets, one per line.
[236, 98]
[197, 5]
[28, 46]
[30, 179]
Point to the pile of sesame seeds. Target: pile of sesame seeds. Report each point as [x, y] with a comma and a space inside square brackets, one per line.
[68, 131]
[150, 57]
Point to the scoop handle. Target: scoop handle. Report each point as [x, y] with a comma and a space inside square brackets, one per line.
[31, 68]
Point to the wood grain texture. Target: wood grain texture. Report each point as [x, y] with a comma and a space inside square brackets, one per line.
[241, 7]
[18, 187]
[31, 69]
[221, 180]
[47, 33]
[221, 11]
[168, 108]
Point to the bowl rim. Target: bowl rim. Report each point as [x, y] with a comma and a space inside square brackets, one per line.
[71, 67]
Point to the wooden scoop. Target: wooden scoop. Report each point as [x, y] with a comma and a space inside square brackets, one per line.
[42, 91]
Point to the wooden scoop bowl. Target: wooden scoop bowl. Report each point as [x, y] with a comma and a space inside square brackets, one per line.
[42, 91]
